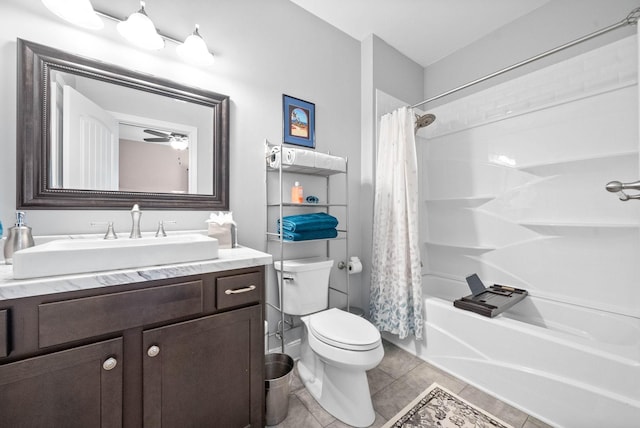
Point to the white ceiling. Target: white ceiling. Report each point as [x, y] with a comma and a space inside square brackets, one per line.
[423, 30]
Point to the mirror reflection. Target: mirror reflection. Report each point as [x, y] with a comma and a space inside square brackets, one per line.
[116, 138]
[93, 135]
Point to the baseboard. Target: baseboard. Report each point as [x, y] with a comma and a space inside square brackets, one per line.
[292, 349]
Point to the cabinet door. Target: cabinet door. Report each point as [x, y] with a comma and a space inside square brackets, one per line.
[79, 387]
[205, 373]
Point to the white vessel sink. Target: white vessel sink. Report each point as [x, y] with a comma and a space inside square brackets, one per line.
[69, 256]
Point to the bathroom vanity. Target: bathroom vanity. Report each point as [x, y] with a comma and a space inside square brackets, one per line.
[165, 346]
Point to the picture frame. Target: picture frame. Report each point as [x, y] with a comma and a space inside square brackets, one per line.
[298, 122]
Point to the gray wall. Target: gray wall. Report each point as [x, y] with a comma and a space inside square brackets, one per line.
[554, 24]
[255, 65]
[263, 49]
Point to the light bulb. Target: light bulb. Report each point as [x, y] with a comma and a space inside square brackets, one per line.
[140, 31]
[179, 143]
[194, 49]
[77, 12]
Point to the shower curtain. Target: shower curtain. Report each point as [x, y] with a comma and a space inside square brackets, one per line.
[396, 279]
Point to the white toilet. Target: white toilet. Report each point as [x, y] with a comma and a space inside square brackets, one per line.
[337, 347]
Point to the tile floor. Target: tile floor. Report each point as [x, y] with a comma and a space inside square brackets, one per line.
[399, 379]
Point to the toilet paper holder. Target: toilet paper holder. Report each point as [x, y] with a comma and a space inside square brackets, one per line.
[353, 266]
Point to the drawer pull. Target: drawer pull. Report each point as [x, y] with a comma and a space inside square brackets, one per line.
[240, 290]
[110, 364]
[153, 351]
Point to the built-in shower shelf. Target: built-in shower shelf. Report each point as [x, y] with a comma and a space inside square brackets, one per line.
[459, 246]
[584, 164]
[551, 226]
[446, 275]
[463, 202]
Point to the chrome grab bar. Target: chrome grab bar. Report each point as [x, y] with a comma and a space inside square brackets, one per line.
[618, 187]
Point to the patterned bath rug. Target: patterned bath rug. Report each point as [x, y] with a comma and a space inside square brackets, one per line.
[438, 407]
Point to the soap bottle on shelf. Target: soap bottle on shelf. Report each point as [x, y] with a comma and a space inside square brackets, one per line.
[297, 195]
[19, 237]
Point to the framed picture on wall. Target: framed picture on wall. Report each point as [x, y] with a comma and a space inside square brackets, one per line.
[299, 122]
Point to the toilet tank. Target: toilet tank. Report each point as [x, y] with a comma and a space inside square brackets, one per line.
[306, 284]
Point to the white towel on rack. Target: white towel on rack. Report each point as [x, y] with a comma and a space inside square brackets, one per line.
[274, 157]
[299, 157]
[335, 163]
[291, 157]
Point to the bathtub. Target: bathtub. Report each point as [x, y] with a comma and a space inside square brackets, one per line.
[567, 365]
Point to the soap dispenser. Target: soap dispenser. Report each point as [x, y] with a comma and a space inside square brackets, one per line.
[19, 238]
[297, 193]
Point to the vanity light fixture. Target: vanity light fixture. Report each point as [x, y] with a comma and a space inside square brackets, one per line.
[194, 49]
[77, 12]
[140, 31]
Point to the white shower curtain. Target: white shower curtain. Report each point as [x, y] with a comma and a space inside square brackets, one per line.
[396, 280]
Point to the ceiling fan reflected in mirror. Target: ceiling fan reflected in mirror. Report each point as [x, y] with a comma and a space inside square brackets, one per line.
[178, 141]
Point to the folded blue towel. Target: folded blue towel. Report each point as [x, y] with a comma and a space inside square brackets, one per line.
[305, 222]
[310, 234]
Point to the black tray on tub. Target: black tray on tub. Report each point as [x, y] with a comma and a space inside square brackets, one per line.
[489, 301]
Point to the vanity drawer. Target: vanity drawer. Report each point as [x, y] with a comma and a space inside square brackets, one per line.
[4, 333]
[239, 290]
[75, 319]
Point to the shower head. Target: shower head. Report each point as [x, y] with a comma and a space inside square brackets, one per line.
[424, 120]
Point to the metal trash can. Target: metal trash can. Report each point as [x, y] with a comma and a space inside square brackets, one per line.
[278, 368]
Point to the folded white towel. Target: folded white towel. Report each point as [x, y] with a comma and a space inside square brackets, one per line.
[275, 158]
[291, 157]
[334, 163]
[299, 157]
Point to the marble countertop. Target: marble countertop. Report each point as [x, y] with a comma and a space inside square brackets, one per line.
[228, 259]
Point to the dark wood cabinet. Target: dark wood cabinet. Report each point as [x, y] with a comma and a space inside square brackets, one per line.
[200, 373]
[79, 387]
[181, 352]
[3, 334]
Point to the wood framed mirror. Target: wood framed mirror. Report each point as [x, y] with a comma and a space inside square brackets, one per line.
[93, 135]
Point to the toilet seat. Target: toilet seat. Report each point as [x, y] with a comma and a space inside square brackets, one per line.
[344, 330]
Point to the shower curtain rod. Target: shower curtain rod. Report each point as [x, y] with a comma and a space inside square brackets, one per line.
[631, 19]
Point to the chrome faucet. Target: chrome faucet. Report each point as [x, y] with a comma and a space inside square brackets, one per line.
[111, 233]
[161, 232]
[135, 222]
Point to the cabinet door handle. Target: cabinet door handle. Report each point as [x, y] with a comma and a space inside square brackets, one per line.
[153, 351]
[110, 363]
[240, 290]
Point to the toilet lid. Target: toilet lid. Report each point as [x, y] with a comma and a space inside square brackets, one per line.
[344, 330]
